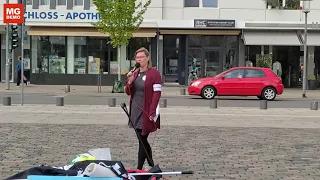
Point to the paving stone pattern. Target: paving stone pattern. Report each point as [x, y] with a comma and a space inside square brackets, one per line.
[211, 152]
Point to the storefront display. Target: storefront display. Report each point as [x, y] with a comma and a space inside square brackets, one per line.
[93, 65]
[80, 65]
[56, 65]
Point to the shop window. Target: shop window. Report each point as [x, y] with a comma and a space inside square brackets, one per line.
[194, 40]
[170, 64]
[50, 54]
[212, 41]
[134, 45]
[80, 55]
[112, 60]
[251, 54]
[101, 55]
[171, 41]
[231, 43]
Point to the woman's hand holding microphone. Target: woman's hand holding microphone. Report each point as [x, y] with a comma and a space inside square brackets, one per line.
[130, 77]
[130, 73]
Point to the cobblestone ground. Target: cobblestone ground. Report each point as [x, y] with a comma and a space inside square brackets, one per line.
[211, 152]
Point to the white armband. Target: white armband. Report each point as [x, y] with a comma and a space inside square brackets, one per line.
[157, 87]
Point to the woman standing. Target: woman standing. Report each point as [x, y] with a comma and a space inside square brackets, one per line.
[144, 88]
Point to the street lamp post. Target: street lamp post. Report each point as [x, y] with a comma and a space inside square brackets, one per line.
[22, 51]
[306, 10]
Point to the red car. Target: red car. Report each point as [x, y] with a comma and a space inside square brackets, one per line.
[239, 81]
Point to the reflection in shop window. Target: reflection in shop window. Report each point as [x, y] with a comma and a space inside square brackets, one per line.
[101, 55]
[251, 54]
[230, 60]
[171, 41]
[97, 55]
[134, 45]
[212, 41]
[51, 54]
[112, 60]
[194, 40]
[171, 61]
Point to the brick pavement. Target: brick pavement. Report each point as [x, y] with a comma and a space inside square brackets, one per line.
[276, 144]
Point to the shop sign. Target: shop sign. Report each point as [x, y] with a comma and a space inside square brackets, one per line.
[214, 23]
[55, 15]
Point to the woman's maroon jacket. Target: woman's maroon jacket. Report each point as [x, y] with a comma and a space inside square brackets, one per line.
[152, 94]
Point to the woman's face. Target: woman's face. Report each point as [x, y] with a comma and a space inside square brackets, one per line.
[142, 59]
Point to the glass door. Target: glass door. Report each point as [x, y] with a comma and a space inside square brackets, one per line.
[171, 65]
[211, 63]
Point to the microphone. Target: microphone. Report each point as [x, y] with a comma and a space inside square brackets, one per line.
[137, 65]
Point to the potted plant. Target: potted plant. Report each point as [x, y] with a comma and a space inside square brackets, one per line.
[273, 4]
[312, 82]
[264, 61]
[292, 4]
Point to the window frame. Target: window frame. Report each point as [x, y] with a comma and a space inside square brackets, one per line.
[225, 75]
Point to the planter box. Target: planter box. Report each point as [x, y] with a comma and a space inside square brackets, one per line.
[312, 84]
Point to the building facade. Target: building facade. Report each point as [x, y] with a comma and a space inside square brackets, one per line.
[62, 47]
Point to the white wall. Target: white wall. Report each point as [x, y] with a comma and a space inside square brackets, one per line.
[243, 10]
[170, 13]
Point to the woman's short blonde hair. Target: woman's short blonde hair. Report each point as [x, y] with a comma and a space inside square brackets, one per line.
[147, 53]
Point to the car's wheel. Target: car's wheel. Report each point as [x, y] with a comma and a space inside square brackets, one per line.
[269, 93]
[208, 92]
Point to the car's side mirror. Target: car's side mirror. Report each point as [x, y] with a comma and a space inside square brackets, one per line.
[222, 77]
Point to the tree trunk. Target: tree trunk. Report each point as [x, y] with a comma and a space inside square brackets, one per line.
[119, 63]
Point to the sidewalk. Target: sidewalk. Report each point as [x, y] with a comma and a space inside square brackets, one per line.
[178, 116]
[291, 93]
[87, 90]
